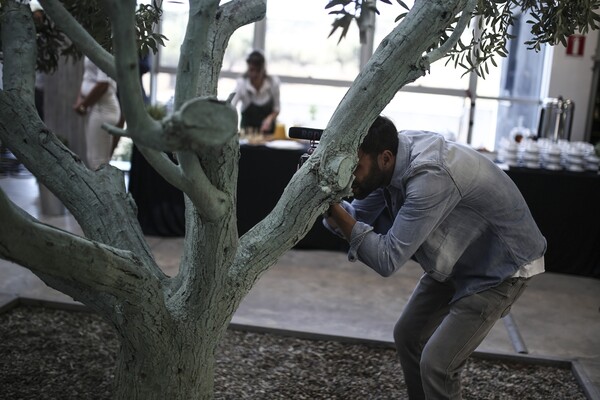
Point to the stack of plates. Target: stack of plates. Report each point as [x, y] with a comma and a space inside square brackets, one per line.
[579, 157]
[573, 159]
[508, 153]
[592, 162]
[544, 153]
[550, 156]
[529, 154]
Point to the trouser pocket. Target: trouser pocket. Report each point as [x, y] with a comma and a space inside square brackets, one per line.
[506, 294]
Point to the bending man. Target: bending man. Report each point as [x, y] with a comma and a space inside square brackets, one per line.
[464, 221]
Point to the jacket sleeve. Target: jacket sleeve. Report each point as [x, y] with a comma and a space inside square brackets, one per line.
[430, 196]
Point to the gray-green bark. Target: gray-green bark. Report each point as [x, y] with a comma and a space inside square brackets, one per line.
[170, 326]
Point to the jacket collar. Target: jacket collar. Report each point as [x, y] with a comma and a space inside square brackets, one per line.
[402, 160]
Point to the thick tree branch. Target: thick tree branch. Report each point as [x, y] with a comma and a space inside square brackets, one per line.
[463, 22]
[290, 220]
[79, 36]
[139, 122]
[19, 49]
[99, 275]
[82, 191]
[81, 268]
[233, 15]
[96, 199]
[230, 17]
[163, 165]
[199, 124]
[211, 241]
[194, 43]
[397, 61]
[210, 202]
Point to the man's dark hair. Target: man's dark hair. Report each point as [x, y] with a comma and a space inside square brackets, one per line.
[382, 136]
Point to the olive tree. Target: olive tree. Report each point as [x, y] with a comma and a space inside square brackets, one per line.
[169, 327]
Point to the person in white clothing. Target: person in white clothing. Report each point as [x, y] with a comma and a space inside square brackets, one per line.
[97, 102]
[258, 94]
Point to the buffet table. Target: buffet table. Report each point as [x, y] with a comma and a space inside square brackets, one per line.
[566, 206]
[264, 172]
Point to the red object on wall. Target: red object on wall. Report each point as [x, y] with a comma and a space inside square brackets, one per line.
[575, 45]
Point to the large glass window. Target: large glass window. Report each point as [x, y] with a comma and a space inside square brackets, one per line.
[173, 23]
[435, 113]
[316, 72]
[519, 82]
[297, 44]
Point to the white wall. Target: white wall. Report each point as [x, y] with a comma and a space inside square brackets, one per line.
[571, 78]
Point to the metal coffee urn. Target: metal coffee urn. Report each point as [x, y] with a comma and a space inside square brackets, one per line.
[556, 119]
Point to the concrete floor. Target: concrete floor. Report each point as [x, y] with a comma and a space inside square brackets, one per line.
[320, 292]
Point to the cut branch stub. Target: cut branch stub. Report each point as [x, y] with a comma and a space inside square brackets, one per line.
[201, 122]
[340, 168]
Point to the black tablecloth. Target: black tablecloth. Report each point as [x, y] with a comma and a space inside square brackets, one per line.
[263, 175]
[566, 206]
[161, 211]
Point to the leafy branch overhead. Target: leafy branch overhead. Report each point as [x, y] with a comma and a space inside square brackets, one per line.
[551, 23]
[53, 43]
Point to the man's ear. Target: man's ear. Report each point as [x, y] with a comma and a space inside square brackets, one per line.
[386, 160]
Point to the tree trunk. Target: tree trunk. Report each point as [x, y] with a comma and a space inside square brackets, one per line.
[161, 376]
[176, 362]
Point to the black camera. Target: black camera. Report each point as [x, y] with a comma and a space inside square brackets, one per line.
[311, 134]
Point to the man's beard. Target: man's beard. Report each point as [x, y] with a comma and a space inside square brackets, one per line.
[373, 181]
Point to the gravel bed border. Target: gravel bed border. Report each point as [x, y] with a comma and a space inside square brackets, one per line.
[295, 342]
[584, 382]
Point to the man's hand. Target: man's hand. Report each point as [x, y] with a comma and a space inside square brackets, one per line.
[339, 219]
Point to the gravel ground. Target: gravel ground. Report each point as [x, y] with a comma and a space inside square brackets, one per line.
[54, 354]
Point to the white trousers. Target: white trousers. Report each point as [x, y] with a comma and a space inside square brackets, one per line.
[98, 141]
